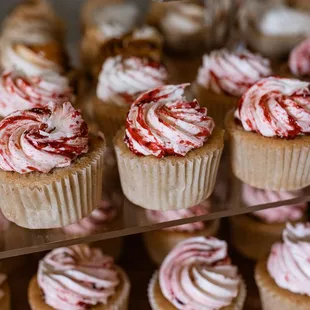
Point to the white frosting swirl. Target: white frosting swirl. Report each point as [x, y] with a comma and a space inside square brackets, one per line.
[232, 73]
[2, 281]
[42, 138]
[197, 274]
[288, 263]
[299, 60]
[19, 92]
[77, 278]
[163, 122]
[276, 107]
[121, 80]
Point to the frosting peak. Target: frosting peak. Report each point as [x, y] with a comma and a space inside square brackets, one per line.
[42, 138]
[164, 216]
[232, 73]
[254, 196]
[197, 274]
[288, 262]
[19, 92]
[121, 79]
[77, 277]
[276, 107]
[163, 122]
[299, 60]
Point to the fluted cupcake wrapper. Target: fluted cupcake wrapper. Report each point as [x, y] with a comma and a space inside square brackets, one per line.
[269, 163]
[171, 182]
[56, 199]
[274, 297]
[159, 302]
[218, 105]
[5, 300]
[119, 301]
[159, 243]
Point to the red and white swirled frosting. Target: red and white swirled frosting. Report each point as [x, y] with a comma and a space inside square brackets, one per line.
[163, 122]
[255, 196]
[232, 73]
[198, 274]
[102, 215]
[299, 60]
[42, 138]
[19, 92]
[77, 278]
[121, 80]
[2, 280]
[166, 216]
[276, 107]
[288, 263]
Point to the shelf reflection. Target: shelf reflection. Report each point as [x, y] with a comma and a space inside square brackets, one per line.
[227, 200]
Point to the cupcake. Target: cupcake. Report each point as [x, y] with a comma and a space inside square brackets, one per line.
[223, 78]
[19, 92]
[121, 81]
[160, 242]
[78, 278]
[50, 167]
[283, 278]
[4, 293]
[197, 274]
[265, 226]
[169, 154]
[273, 29]
[268, 135]
[99, 44]
[98, 221]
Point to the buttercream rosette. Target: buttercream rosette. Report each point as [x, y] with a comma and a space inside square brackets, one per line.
[78, 278]
[120, 82]
[283, 278]
[169, 154]
[197, 274]
[269, 135]
[50, 167]
[224, 76]
[159, 242]
[299, 59]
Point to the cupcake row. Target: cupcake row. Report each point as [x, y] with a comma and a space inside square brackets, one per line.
[197, 273]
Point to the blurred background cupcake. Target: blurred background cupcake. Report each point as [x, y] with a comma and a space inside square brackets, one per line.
[159, 242]
[5, 294]
[253, 234]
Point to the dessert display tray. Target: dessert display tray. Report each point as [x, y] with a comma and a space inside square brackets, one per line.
[226, 201]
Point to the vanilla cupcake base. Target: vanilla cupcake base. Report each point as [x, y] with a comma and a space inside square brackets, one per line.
[159, 243]
[268, 163]
[61, 197]
[5, 301]
[110, 118]
[159, 302]
[172, 182]
[218, 105]
[274, 297]
[253, 238]
[119, 301]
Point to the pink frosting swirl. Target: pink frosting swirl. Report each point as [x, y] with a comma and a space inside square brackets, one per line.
[255, 196]
[276, 107]
[104, 214]
[232, 73]
[167, 216]
[197, 274]
[42, 138]
[299, 60]
[163, 122]
[121, 80]
[77, 278]
[288, 263]
[19, 92]
[3, 278]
